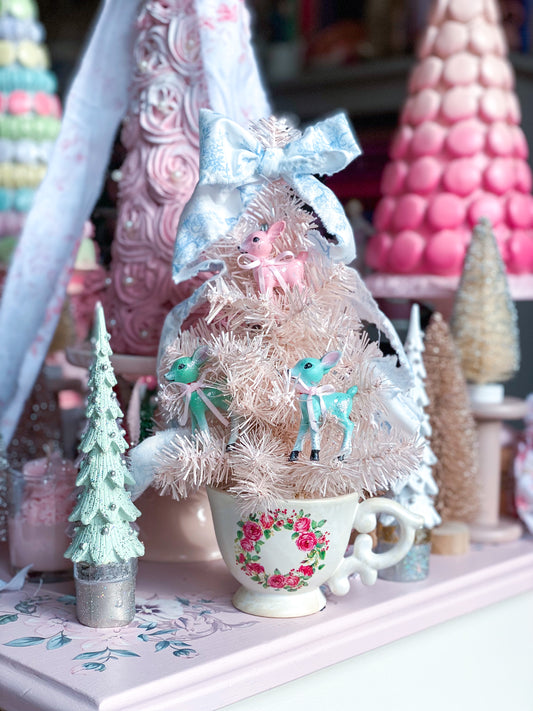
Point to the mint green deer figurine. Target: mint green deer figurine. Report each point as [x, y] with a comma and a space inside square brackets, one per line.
[316, 400]
[200, 396]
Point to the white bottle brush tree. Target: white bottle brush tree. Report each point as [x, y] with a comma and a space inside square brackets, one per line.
[417, 493]
[104, 510]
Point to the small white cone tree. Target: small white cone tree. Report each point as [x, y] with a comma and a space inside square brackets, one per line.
[417, 493]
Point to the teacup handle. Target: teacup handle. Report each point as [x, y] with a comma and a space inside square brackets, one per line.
[363, 560]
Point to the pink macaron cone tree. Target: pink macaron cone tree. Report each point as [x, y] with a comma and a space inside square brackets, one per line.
[459, 152]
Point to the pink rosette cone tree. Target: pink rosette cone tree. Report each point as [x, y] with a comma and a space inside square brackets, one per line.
[170, 85]
[459, 153]
[158, 175]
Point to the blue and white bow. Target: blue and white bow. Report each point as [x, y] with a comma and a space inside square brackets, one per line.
[233, 165]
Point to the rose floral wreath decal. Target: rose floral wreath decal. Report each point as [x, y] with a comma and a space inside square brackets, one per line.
[307, 535]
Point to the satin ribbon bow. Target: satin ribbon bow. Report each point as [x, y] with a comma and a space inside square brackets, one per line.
[272, 264]
[187, 389]
[233, 165]
[319, 391]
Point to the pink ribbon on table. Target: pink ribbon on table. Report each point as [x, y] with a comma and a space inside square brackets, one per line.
[261, 263]
[309, 391]
[187, 389]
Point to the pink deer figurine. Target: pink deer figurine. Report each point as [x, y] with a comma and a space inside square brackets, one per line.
[283, 270]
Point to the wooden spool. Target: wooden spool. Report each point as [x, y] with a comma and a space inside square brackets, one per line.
[450, 538]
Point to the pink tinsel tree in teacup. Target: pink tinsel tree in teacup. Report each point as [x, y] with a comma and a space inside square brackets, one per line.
[255, 336]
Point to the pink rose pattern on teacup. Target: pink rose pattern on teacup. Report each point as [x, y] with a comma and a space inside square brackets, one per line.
[307, 535]
[252, 530]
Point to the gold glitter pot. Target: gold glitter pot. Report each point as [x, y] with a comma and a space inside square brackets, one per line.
[105, 594]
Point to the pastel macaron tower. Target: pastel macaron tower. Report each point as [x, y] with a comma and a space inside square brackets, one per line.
[30, 116]
[459, 153]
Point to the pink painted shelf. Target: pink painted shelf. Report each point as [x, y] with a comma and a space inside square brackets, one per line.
[188, 648]
[427, 286]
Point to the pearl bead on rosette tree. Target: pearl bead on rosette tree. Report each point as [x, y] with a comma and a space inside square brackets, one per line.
[459, 153]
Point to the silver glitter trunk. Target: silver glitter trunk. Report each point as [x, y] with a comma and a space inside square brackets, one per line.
[105, 594]
[415, 565]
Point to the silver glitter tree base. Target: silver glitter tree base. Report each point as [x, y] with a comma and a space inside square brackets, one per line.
[415, 565]
[105, 594]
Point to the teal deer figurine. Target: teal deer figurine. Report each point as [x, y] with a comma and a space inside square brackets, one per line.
[199, 396]
[316, 400]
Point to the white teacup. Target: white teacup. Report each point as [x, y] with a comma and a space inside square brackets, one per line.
[282, 557]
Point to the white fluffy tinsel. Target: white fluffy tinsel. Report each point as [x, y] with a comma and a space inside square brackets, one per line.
[143, 459]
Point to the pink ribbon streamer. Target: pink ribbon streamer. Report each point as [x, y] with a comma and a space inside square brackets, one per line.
[187, 389]
[262, 263]
[319, 391]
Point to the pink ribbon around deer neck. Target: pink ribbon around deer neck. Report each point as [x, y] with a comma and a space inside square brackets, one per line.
[309, 391]
[187, 389]
[261, 263]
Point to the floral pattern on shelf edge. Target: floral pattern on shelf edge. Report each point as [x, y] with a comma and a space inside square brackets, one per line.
[307, 536]
[160, 624]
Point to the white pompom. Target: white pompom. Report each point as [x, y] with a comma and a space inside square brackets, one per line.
[142, 459]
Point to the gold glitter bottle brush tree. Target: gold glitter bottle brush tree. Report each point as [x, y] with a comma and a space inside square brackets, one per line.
[105, 545]
[453, 441]
[484, 325]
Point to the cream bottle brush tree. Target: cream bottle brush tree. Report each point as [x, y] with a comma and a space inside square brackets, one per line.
[484, 320]
[104, 540]
[484, 326]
